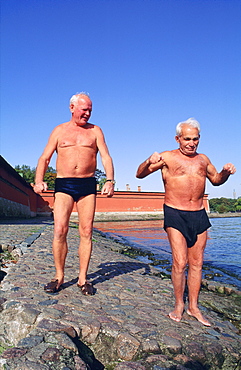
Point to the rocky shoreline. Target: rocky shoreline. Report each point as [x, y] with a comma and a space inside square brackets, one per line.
[164, 271]
[211, 272]
[123, 326]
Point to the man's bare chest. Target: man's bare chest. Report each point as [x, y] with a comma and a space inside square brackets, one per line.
[188, 168]
[76, 139]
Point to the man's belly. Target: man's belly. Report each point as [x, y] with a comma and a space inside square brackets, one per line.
[185, 201]
[76, 164]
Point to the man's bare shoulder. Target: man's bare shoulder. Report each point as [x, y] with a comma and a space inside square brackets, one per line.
[97, 130]
[60, 127]
[169, 153]
[94, 127]
[204, 157]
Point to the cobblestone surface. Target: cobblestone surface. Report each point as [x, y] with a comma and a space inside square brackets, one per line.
[125, 325]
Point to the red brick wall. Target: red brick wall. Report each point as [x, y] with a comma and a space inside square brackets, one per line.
[123, 201]
[16, 195]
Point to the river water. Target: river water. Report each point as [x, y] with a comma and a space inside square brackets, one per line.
[222, 256]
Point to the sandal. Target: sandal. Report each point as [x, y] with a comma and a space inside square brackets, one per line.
[86, 288]
[51, 287]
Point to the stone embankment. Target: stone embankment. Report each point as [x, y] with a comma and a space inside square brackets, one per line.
[125, 325]
[144, 216]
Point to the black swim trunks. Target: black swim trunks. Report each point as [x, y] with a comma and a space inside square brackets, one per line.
[189, 223]
[75, 186]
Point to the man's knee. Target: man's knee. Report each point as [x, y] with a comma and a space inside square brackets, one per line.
[195, 264]
[86, 231]
[60, 231]
[179, 265]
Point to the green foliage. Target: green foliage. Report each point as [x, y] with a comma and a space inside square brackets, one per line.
[101, 183]
[237, 204]
[224, 205]
[100, 178]
[99, 175]
[50, 179]
[28, 174]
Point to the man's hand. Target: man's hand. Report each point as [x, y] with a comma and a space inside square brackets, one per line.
[108, 189]
[153, 163]
[40, 187]
[229, 168]
[155, 158]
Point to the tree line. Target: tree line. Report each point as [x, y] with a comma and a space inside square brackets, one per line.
[28, 174]
[224, 205]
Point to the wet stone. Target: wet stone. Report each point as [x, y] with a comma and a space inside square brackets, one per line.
[172, 345]
[195, 351]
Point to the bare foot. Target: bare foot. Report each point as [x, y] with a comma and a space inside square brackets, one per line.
[176, 314]
[198, 315]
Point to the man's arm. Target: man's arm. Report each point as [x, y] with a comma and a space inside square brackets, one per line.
[153, 163]
[43, 163]
[219, 178]
[107, 162]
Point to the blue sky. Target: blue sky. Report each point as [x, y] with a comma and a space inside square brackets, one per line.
[147, 65]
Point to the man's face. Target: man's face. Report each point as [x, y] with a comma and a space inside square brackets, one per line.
[189, 140]
[81, 111]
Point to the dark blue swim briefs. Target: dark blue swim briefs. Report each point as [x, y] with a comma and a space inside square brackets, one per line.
[75, 186]
[189, 223]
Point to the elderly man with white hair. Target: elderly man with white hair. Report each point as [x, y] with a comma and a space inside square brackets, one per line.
[77, 143]
[184, 173]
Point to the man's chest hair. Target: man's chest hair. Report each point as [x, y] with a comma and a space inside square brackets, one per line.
[186, 166]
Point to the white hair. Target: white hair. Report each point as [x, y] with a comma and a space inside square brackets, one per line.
[190, 122]
[77, 96]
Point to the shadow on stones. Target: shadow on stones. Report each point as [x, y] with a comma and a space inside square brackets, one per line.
[2, 273]
[67, 284]
[86, 354]
[109, 270]
[194, 365]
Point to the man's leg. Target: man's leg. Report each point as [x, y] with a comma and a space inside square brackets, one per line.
[86, 211]
[195, 262]
[62, 210]
[179, 261]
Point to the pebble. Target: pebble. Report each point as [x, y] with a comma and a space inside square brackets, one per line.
[125, 325]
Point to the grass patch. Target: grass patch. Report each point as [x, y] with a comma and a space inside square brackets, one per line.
[2, 349]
